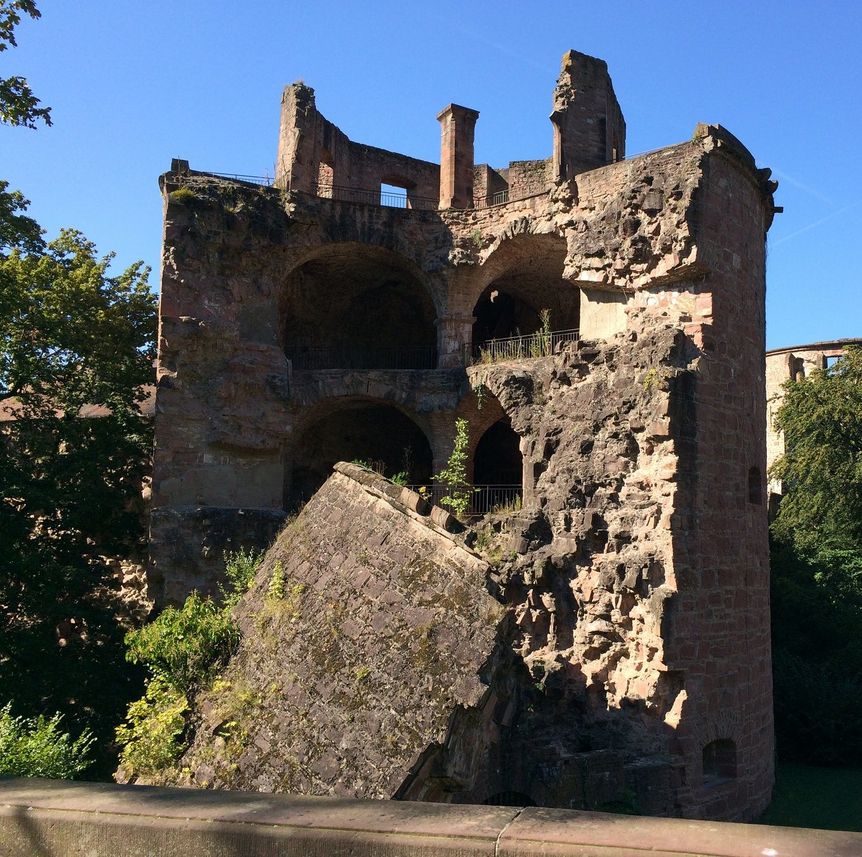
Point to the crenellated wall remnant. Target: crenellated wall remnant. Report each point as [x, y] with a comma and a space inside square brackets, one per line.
[599, 321]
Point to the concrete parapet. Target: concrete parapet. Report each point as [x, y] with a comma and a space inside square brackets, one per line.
[47, 818]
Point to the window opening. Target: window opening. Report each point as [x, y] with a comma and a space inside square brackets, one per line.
[393, 196]
[719, 762]
[755, 487]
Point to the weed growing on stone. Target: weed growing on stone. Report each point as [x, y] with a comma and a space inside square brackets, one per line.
[651, 380]
[183, 649]
[182, 196]
[275, 589]
[454, 475]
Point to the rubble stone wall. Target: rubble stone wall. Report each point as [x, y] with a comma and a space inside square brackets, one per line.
[636, 648]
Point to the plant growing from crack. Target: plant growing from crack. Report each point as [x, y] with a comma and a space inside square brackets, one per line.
[454, 475]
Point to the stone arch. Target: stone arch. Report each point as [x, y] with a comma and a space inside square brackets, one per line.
[497, 459]
[497, 468]
[518, 280]
[353, 306]
[370, 430]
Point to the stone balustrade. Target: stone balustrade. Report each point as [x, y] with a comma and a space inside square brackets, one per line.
[44, 818]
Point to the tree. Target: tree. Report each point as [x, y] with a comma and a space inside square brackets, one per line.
[76, 351]
[18, 104]
[816, 560]
[821, 419]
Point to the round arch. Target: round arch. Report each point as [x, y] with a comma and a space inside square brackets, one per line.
[366, 430]
[497, 458]
[353, 306]
[520, 279]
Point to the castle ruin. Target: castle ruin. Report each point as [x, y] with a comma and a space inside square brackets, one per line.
[599, 320]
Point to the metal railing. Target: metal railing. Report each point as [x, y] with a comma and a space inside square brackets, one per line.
[497, 198]
[483, 498]
[539, 344]
[265, 181]
[361, 357]
[385, 199]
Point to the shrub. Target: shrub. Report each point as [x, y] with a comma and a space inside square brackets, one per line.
[38, 748]
[153, 736]
[184, 647]
[240, 568]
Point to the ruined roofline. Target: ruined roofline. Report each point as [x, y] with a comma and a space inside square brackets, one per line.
[827, 345]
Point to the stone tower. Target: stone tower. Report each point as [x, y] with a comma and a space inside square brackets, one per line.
[600, 323]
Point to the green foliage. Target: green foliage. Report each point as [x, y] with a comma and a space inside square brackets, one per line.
[153, 736]
[182, 195]
[240, 569]
[454, 475]
[540, 342]
[183, 650]
[184, 647]
[399, 478]
[18, 104]
[817, 654]
[36, 747]
[821, 419]
[275, 589]
[817, 567]
[74, 341]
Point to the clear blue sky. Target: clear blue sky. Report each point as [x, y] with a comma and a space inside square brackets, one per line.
[133, 84]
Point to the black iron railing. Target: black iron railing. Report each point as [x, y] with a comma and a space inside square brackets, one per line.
[497, 198]
[483, 498]
[265, 181]
[376, 197]
[362, 357]
[540, 344]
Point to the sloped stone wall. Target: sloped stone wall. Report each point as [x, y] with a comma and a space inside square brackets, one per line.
[368, 626]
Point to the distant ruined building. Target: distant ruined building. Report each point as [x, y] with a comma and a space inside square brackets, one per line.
[792, 364]
[602, 638]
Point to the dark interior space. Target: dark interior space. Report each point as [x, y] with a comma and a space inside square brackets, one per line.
[531, 280]
[376, 434]
[497, 460]
[358, 308]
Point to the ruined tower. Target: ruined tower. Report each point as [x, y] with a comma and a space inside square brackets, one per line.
[600, 323]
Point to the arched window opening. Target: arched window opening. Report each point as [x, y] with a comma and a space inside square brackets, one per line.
[378, 435]
[528, 307]
[497, 469]
[719, 761]
[358, 308]
[755, 486]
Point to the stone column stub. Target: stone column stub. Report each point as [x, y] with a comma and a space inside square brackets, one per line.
[457, 125]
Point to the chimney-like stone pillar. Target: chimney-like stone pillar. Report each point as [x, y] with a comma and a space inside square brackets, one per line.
[457, 125]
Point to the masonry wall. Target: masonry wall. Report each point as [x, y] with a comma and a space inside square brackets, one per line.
[639, 587]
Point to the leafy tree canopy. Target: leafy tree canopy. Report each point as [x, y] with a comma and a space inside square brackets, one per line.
[18, 104]
[817, 567]
[76, 349]
[821, 419]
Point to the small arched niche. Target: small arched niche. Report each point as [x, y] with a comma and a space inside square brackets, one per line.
[719, 762]
[374, 433]
[360, 308]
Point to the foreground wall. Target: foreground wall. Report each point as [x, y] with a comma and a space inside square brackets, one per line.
[48, 818]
